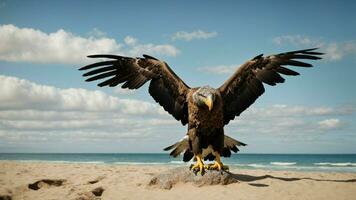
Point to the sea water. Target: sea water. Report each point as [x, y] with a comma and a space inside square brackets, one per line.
[295, 162]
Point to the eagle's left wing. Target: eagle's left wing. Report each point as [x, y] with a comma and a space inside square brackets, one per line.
[245, 85]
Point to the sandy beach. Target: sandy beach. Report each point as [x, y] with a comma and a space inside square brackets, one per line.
[44, 180]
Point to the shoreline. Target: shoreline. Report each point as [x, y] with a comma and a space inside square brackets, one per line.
[79, 180]
[274, 166]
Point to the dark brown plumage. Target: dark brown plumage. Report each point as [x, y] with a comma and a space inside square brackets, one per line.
[165, 87]
[245, 85]
[206, 110]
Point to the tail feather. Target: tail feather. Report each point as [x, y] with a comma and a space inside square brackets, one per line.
[230, 144]
[171, 147]
[179, 147]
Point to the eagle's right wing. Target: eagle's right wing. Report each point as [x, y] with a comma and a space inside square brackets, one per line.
[165, 87]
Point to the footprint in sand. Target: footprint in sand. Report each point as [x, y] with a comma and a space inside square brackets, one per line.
[96, 180]
[94, 194]
[45, 183]
[98, 191]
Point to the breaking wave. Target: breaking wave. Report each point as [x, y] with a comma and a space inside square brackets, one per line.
[347, 164]
[283, 163]
[177, 162]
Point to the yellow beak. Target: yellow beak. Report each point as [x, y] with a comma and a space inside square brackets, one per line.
[209, 102]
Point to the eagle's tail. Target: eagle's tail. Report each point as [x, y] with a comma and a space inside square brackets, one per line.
[230, 144]
[179, 147]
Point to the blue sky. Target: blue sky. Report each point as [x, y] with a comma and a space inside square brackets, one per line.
[47, 107]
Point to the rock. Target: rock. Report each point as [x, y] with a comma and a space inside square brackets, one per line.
[167, 179]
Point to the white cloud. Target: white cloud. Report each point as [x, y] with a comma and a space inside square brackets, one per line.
[294, 39]
[130, 40]
[23, 94]
[333, 50]
[34, 112]
[123, 91]
[219, 69]
[32, 45]
[138, 49]
[165, 49]
[286, 120]
[198, 34]
[330, 123]
[281, 110]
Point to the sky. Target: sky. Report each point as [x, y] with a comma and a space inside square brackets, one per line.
[46, 106]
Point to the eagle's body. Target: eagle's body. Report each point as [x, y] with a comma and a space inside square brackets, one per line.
[206, 110]
[206, 127]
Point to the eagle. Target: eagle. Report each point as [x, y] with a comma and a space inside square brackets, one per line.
[206, 110]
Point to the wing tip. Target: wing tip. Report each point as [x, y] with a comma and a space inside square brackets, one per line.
[97, 56]
[86, 74]
[149, 57]
[258, 57]
[110, 56]
[313, 51]
[310, 51]
[243, 144]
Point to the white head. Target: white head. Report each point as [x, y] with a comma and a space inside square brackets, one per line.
[204, 96]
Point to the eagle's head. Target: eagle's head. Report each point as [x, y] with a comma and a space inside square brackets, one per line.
[204, 96]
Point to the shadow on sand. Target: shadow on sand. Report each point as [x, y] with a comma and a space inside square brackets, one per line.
[250, 178]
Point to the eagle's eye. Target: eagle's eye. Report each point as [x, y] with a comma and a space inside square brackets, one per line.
[201, 95]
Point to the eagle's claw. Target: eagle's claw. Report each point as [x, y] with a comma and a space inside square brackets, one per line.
[217, 166]
[197, 168]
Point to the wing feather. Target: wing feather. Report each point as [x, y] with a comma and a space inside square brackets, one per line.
[165, 87]
[245, 85]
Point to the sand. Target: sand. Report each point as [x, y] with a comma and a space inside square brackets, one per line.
[41, 180]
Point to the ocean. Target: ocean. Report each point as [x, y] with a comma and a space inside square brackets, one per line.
[294, 162]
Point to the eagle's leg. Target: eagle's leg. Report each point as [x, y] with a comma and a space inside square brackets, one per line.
[199, 166]
[218, 165]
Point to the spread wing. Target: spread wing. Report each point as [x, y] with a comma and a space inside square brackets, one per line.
[245, 85]
[165, 86]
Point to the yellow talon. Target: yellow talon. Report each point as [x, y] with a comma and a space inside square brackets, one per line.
[218, 164]
[199, 166]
